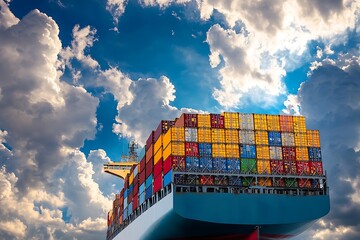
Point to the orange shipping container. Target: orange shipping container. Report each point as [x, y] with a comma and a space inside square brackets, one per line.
[263, 167]
[218, 150]
[231, 120]
[261, 138]
[232, 150]
[158, 155]
[206, 180]
[313, 137]
[299, 124]
[174, 148]
[158, 143]
[217, 135]
[286, 123]
[204, 135]
[149, 153]
[176, 134]
[301, 139]
[273, 122]
[262, 152]
[264, 182]
[302, 154]
[260, 122]
[231, 136]
[204, 121]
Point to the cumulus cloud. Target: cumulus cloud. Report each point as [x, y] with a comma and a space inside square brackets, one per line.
[116, 9]
[330, 101]
[44, 120]
[162, 3]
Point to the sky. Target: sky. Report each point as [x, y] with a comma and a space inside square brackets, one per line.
[80, 79]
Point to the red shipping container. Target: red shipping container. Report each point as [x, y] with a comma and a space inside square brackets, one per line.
[162, 128]
[191, 149]
[142, 164]
[158, 183]
[289, 153]
[177, 163]
[149, 168]
[129, 198]
[150, 140]
[135, 202]
[217, 121]
[302, 168]
[122, 192]
[126, 182]
[290, 167]
[279, 182]
[187, 120]
[316, 168]
[304, 183]
[206, 180]
[136, 189]
[277, 167]
[158, 168]
[149, 153]
[286, 123]
[136, 179]
[142, 177]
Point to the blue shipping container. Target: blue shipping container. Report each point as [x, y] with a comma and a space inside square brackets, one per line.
[142, 188]
[131, 187]
[125, 213]
[130, 209]
[205, 150]
[247, 151]
[148, 181]
[219, 164]
[233, 165]
[148, 192]
[142, 198]
[142, 153]
[235, 181]
[167, 178]
[205, 164]
[192, 164]
[314, 154]
[274, 139]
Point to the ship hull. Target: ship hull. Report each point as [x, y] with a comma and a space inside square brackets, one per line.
[226, 216]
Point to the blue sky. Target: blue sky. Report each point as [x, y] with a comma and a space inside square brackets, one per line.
[79, 79]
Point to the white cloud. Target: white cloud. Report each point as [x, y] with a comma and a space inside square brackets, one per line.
[116, 8]
[162, 3]
[14, 228]
[7, 18]
[292, 105]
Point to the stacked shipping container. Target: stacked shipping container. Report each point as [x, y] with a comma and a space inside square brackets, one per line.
[228, 149]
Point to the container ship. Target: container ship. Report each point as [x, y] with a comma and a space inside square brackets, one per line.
[221, 176]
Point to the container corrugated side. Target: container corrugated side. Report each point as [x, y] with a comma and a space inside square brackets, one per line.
[274, 138]
[206, 180]
[286, 123]
[205, 164]
[232, 150]
[261, 138]
[262, 152]
[231, 136]
[218, 150]
[290, 167]
[191, 134]
[217, 135]
[304, 183]
[301, 140]
[303, 168]
[247, 136]
[221, 181]
[158, 183]
[289, 153]
[260, 122]
[247, 151]
[150, 153]
[205, 149]
[263, 166]
[187, 120]
[299, 124]
[246, 121]
[177, 163]
[219, 165]
[264, 182]
[302, 154]
[174, 148]
[277, 167]
[158, 167]
[248, 166]
[204, 121]
[204, 135]
[315, 154]
[191, 149]
[235, 181]
[288, 139]
[231, 120]
[216, 121]
[316, 168]
[167, 178]
[273, 122]
[313, 137]
[192, 164]
[233, 165]
[173, 134]
[275, 153]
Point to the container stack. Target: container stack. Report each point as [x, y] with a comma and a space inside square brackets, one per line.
[229, 149]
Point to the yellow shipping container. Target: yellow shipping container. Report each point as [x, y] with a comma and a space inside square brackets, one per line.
[217, 135]
[260, 122]
[301, 139]
[158, 143]
[173, 134]
[231, 136]
[261, 138]
[299, 124]
[273, 122]
[231, 120]
[218, 150]
[265, 182]
[204, 121]
[313, 137]
[131, 178]
[263, 166]
[158, 155]
[232, 150]
[302, 154]
[174, 148]
[204, 135]
[262, 152]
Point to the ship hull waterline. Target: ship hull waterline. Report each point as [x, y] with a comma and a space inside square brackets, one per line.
[226, 216]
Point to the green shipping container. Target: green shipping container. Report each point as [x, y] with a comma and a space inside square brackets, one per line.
[291, 182]
[248, 166]
[248, 181]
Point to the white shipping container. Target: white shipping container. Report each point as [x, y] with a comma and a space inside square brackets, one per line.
[246, 121]
[246, 137]
[136, 171]
[125, 202]
[287, 139]
[275, 153]
[191, 135]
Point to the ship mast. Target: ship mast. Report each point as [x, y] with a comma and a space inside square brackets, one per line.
[122, 168]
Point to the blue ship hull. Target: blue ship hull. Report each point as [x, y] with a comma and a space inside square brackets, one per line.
[191, 215]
